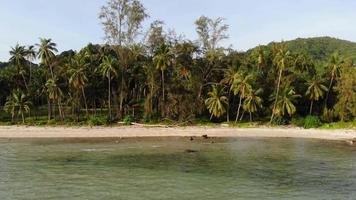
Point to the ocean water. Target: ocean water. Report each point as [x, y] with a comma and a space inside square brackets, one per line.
[176, 169]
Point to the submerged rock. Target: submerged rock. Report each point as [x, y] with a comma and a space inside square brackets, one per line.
[191, 151]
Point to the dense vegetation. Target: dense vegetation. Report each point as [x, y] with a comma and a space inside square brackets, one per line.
[161, 76]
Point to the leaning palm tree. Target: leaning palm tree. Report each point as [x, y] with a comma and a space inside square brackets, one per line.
[18, 58]
[285, 102]
[217, 101]
[77, 76]
[335, 65]
[17, 103]
[281, 61]
[108, 70]
[162, 60]
[315, 91]
[241, 86]
[46, 52]
[253, 102]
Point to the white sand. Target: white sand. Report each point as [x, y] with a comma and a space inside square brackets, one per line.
[127, 132]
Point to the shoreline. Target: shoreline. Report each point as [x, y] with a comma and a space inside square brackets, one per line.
[13, 132]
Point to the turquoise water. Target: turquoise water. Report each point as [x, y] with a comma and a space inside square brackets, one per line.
[177, 169]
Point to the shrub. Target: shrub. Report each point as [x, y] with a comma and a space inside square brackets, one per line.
[96, 121]
[128, 119]
[279, 121]
[312, 122]
[298, 121]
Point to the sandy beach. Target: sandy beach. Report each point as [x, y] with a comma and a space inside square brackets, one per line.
[131, 132]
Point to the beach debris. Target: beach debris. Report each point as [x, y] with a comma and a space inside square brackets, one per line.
[191, 138]
[351, 142]
[205, 136]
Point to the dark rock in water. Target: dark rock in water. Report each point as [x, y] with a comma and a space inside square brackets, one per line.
[352, 142]
[205, 136]
[191, 151]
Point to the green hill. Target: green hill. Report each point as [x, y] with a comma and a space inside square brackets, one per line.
[320, 48]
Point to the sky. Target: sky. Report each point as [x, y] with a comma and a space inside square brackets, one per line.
[74, 23]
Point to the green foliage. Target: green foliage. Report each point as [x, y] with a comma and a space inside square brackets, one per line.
[171, 80]
[279, 121]
[96, 120]
[312, 122]
[298, 121]
[128, 119]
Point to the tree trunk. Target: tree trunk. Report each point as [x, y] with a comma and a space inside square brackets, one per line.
[121, 99]
[109, 98]
[277, 94]
[49, 108]
[85, 101]
[238, 109]
[250, 116]
[24, 80]
[23, 118]
[311, 107]
[228, 107]
[163, 94]
[328, 93]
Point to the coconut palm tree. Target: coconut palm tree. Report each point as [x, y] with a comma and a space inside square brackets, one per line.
[31, 55]
[17, 103]
[18, 58]
[253, 101]
[285, 102]
[46, 52]
[281, 61]
[241, 86]
[260, 58]
[162, 60]
[229, 77]
[55, 94]
[107, 69]
[315, 91]
[335, 65]
[77, 76]
[217, 101]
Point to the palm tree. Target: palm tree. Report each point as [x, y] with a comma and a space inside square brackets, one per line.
[17, 103]
[229, 77]
[335, 62]
[253, 102]
[241, 86]
[217, 101]
[315, 91]
[260, 58]
[55, 93]
[281, 61]
[285, 102]
[78, 78]
[108, 70]
[46, 52]
[18, 58]
[162, 60]
[31, 55]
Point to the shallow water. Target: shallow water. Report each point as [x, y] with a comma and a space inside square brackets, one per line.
[169, 169]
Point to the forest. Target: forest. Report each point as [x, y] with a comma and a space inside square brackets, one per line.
[155, 75]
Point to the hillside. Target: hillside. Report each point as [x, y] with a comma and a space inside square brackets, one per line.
[320, 48]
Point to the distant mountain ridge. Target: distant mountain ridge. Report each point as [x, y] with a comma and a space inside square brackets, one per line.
[321, 48]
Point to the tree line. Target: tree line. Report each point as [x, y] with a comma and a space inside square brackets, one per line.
[157, 75]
